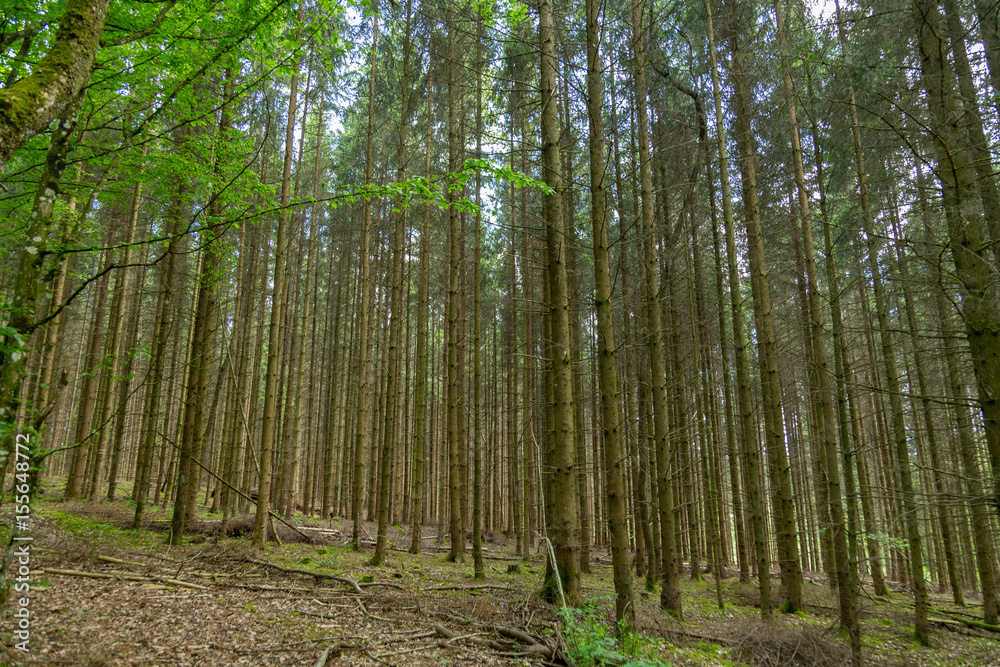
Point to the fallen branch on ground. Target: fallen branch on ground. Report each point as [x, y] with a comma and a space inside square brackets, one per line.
[119, 561]
[387, 584]
[125, 576]
[78, 573]
[481, 587]
[322, 575]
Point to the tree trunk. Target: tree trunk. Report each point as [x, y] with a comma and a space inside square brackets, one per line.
[561, 492]
[823, 396]
[274, 338]
[423, 312]
[477, 380]
[363, 331]
[53, 88]
[749, 433]
[670, 599]
[614, 452]
[455, 388]
[782, 499]
[396, 313]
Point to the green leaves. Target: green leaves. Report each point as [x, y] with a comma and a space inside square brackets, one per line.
[888, 541]
[432, 191]
[11, 343]
[591, 644]
[505, 173]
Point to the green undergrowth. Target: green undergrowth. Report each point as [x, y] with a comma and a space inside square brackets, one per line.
[97, 530]
[708, 636]
[590, 642]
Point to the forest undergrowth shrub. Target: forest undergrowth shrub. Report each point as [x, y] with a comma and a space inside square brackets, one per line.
[591, 642]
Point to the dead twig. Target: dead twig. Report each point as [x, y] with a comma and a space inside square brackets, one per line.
[481, 587]
[322, 575]
[387, 584]
[367, 613]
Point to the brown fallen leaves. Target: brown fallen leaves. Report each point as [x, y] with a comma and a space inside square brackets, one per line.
[211, 605]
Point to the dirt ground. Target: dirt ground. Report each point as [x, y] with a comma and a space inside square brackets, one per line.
[105, 596]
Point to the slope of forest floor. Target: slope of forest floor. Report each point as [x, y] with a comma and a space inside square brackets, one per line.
[104, 595]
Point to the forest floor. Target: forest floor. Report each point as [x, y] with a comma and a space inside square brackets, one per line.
[103, 595]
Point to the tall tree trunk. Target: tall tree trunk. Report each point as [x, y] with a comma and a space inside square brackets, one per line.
[37, 265]
[561, 493]
[364, 330]
[85, 411]
[614, 452]
[926, 409]
[731, 429]
[670, 599]
[423, 311]
[823, 396]
[274, 343]
[455, 387]
[892, 376]
[396, 312]
[128, 349]
[982, 534]
[162, 328]
[782, 497]
[112, 343]
[747, 429]
[477, 380]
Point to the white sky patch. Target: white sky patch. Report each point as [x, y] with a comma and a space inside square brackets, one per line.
[823, 10]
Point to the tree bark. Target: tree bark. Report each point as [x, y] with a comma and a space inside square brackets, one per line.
[670, 599]
[782, 497]
[274, 337]
[614, 452]
[396, 312]
[54, 85]
[822, 394]
[747, 429]
[561, 492]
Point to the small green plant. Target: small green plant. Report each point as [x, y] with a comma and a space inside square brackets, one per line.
[888, 540]
[591, 643]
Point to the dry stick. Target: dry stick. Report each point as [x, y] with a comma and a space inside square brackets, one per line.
[367, 613]
[322, 575]
[555, 570]
[119, 561]
[519, 635]
[323, 657]
[129, 576]
[78, 573]
[123, 576]
[507, 631]
[387, 584]
[233, 488]
[474, 638]
[277, 537]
